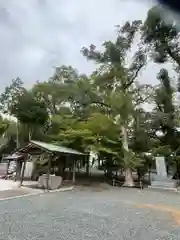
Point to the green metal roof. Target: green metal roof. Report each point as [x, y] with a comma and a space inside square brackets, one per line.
[55, 148]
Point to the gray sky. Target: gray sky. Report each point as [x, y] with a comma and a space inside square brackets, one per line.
[37, 35]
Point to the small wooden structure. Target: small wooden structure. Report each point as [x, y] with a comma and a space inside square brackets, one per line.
[18, 159]
[38, 148]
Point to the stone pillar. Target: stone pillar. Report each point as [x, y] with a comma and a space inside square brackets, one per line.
[74, 171]
[161, 180]
[161, 167]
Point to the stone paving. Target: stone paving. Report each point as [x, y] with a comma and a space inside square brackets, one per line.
[10, 189]
[13, 193]
[105, 215]
[7, 184]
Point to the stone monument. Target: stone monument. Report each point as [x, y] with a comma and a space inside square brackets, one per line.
[161, 167]
[28, 170]
[161, 180]
[54, 182]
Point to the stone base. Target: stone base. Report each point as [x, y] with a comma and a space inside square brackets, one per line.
[164, 183]
[55, 182]
[164, 188]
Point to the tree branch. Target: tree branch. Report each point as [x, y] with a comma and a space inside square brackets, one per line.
[130, 82]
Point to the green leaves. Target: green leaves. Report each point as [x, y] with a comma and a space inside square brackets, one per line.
[10, 95]
[158, 27]
[103, 112]
[4, 124]
[29, 111]
[133, 160]
[93, 134]
[161, 150]
[160, 33]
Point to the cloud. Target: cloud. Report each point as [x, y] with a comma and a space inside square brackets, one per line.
[37, 35]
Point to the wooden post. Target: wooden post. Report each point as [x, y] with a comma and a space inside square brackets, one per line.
[7, 167]
[48, 172]
[74, 171]
[87, 165]
[18, 170]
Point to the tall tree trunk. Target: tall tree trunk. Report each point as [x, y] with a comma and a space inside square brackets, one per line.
[99, 164]
[129, 182]
[149, 175]
[87, 166]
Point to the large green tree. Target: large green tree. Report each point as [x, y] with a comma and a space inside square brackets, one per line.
[115, 79]
[103, 112]
[164, 119]
[56, 93]
[30, 112]
[10, 95]
[161, 36]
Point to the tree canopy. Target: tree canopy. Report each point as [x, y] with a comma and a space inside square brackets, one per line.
[105, 111]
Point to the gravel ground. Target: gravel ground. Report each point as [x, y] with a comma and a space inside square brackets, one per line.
[107, 215]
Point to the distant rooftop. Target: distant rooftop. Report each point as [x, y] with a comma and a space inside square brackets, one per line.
[56, 148]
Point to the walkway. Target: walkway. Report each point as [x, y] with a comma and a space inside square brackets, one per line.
[105, 215]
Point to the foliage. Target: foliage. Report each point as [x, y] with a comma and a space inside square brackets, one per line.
[4, 125]
[10, 95]
[116, 79]
[161, 35]
[90, 135]
[104, 112]
[28, 110]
